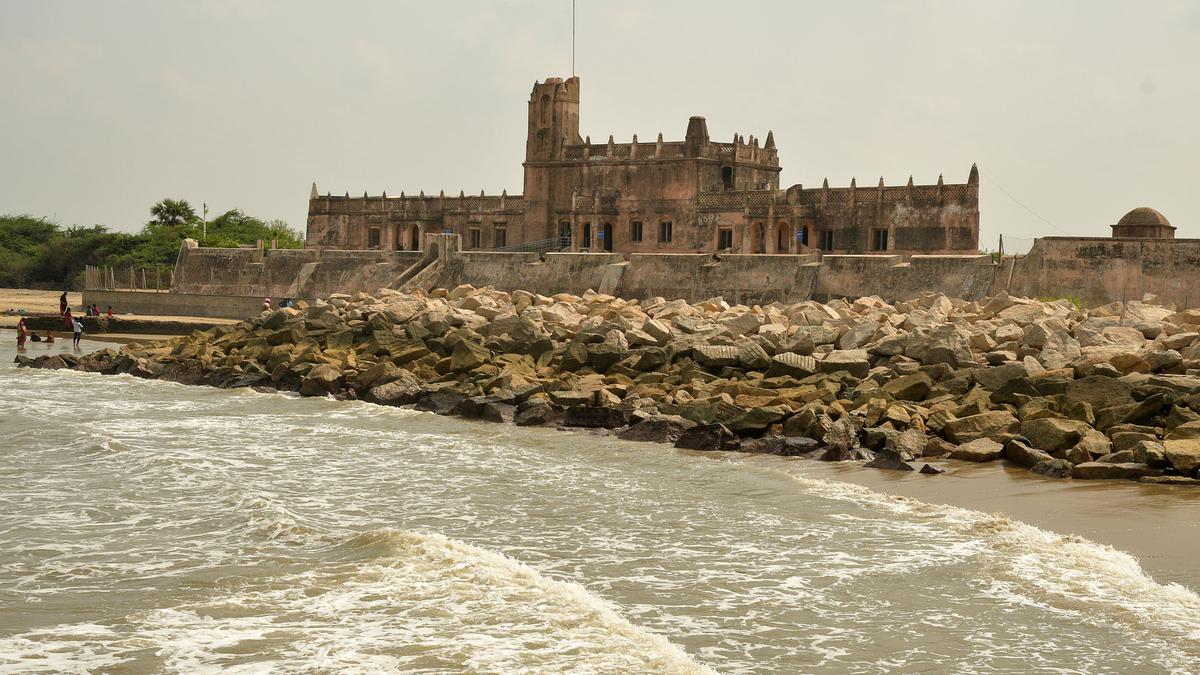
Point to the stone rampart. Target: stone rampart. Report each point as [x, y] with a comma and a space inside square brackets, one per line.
[1100, 270]
[888, 276]
[747, 279]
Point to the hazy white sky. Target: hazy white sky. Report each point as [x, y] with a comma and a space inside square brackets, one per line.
[1080, 110]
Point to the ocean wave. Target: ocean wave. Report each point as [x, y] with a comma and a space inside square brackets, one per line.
[1065, 573]
[383, 599]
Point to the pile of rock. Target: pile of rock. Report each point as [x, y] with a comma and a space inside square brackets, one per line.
[1112, 392]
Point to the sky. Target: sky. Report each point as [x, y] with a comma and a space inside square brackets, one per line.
[1076, 112]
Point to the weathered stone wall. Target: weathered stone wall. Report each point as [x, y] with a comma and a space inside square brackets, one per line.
[176, 304]
[1102, 270]
[283, 273]
[747, 279]
[555, 273]
[852, 276]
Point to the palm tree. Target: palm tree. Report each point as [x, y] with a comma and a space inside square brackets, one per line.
[173, 212]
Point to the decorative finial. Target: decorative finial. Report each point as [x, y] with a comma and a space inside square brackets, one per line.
[770, 145]
[910, 183]
[853, 184]
[881, 181]
[313, 194]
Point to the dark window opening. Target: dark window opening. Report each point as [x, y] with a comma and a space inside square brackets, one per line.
[664, 231]
[635, 231]
[606, 237]
[727, 177]
[724, 240]
[501, 237]
[879, 240]
[476, 238]
[373, 237]
[826, 240]
[415, 236]
[802, 235]
[564, 234]
[586, 239]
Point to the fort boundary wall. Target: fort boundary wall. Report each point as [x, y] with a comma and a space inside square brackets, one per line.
[1100, 270]
[232, 282]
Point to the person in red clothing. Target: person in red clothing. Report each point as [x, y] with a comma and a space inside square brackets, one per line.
[110, 311]
[67, 318]
[22, 332]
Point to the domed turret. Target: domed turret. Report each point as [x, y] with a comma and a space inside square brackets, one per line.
[1143, 223]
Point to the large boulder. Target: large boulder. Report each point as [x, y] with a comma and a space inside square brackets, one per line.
[978, 450]
[1183, 454]
[792, 364]
[1098, 391]
[1053, 434]
[853, 361]
[320, 380]
[911, 387]
[997, 425]
[708, 437]
[1054, 468]
[887, 458]
[657, 429]
[1017, 452]
[1104, 470]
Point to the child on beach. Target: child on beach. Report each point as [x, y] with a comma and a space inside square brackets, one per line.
[77, 327]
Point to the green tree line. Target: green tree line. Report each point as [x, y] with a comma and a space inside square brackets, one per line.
[36, 252]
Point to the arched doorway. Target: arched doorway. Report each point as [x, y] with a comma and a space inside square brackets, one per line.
[585, 240]
[802, 236]
[414, 237]
[606, 237]
[759, 239]
[397, 239]
[783, 237]
[564, 234]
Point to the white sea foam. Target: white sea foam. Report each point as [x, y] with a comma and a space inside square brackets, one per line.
[384, 599]
[1058, 572]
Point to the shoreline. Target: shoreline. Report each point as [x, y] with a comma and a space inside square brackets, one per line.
[891, 386]
[1145, 520]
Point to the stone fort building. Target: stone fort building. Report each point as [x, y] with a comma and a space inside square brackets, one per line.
[656, 196]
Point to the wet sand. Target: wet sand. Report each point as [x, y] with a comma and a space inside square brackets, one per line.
[1157, 524]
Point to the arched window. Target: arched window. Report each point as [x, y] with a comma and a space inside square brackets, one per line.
[727, 177]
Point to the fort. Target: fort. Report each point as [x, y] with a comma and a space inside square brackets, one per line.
[689, 219]
[694, 195]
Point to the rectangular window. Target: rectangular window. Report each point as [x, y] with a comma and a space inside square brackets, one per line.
[879, 240]
[501, 237]
[724, 240]
[373, 237]
[475, 238]
[635, 231]
[664, 231]
[826, 240]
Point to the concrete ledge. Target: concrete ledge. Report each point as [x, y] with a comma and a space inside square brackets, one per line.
[176, 304]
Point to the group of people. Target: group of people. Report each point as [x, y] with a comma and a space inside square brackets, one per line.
[24, 334]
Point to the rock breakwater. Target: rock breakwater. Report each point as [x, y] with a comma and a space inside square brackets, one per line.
[1112, 392]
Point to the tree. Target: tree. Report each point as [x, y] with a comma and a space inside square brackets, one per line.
[173, 212]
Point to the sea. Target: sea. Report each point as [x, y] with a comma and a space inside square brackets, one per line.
[150, 527]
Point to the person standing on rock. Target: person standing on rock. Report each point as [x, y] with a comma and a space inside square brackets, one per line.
[62, 303]
[77, 327]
